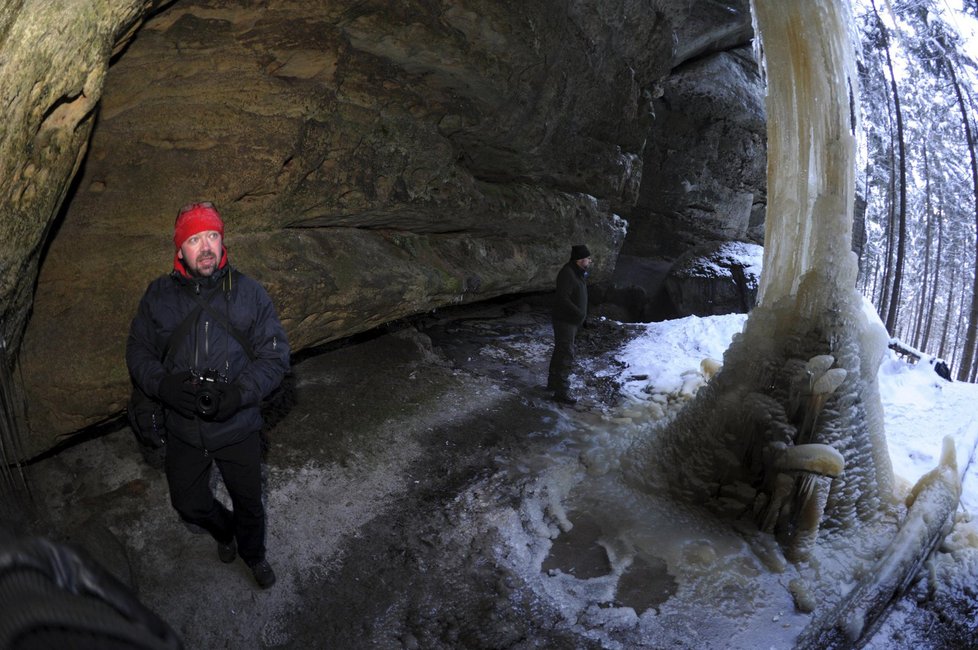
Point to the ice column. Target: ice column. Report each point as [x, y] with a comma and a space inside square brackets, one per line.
[808, 61]
[809, 267]
[809, 329]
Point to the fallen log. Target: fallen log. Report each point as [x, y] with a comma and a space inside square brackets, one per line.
[914, 355]
[930, 517]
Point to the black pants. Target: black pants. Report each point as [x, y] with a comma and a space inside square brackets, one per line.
[562, 361]
[188, 472]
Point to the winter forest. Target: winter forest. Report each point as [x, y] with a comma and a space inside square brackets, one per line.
[919, 175]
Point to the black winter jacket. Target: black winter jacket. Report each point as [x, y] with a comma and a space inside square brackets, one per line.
[208, 346]
[570, 301]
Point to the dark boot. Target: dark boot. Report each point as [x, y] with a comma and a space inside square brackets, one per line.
[263, 573]
[227, 552]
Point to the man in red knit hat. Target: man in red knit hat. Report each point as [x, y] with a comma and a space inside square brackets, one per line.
[206, 343]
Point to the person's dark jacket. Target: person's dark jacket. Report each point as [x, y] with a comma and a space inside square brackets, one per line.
[207, 345]
[570, 301]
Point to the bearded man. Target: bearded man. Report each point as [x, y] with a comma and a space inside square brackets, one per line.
[206, 342]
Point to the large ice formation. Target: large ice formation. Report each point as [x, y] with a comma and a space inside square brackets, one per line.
[795, 412]
[794, 415]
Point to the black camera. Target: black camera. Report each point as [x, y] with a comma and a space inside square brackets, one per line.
[208, 394]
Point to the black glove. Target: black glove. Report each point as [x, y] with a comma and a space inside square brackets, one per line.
[177, 393]
[229, 402]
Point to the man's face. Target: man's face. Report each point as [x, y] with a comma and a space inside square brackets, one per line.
[201, 253]
[584, 263]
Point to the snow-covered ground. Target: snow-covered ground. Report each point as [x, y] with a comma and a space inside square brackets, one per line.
[920, 408]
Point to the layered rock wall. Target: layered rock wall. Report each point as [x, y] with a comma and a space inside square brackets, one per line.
[373, 160]
[711, 115]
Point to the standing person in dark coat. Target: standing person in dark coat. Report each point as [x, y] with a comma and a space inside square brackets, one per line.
[206, 342]
[569, 312]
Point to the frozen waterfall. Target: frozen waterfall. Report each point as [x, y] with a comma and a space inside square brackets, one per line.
[764, 506]
[800, 380]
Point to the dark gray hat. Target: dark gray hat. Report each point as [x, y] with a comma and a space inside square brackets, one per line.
[579, 252]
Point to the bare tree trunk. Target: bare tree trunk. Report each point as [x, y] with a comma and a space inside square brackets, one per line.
[882, 306]
[901, 240]
[876, 279]
[947, 315]
[967, 361]
[924, 277]
[932, 307]
[958, 332]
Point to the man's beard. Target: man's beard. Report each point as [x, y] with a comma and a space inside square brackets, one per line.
[208, 257]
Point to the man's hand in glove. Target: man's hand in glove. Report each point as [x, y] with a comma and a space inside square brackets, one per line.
[229, 403]
[176, 392]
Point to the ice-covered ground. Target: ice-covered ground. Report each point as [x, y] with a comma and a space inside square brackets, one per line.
[667, 565]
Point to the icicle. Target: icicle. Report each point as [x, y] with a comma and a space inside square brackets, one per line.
[783, 484]
[813, 495]
[829, 381]
[817, 365]
[807, 471]
[810, 146]
[812, 458]
[823, 386]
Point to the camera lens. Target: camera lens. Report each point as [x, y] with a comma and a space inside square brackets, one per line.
[206, 403]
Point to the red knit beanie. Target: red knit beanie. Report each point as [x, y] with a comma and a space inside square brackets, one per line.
[197, 218]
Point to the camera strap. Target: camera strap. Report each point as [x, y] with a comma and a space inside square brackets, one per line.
[181, 330]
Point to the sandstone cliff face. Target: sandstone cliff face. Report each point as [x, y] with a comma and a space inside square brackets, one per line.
[372, 160]
[54, 57]
[710, 115]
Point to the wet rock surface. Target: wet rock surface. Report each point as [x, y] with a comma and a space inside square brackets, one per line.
[389, 471]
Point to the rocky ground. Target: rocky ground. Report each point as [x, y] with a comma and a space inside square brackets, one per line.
[417, 480]
[393, 463]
